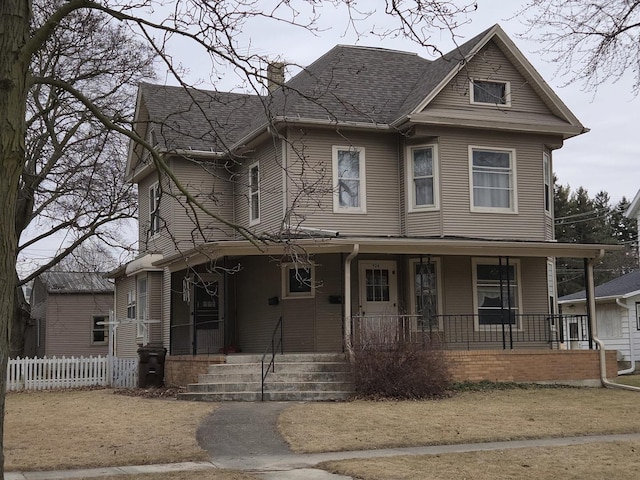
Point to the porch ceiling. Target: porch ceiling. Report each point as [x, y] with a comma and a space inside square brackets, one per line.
[393, 245]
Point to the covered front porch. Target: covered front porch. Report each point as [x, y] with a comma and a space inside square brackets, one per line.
[336, 294]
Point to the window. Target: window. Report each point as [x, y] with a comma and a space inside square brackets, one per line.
[298, 281]
[637, 316]
[131, 304]
[548, 193]
[254, 194]
[425, 301]
[421, 170]
[485, 92]
[154, 209]
[99, 329]
[142, 304]
[492, 179]
[349, 180]
[497, 296]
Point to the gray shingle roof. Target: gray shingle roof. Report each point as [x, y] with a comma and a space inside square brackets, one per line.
[346, 84]
[75, 282]
[617, 287]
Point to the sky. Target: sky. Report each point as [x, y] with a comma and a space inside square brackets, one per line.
[607, 158]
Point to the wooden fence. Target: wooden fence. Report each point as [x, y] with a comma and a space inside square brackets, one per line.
[70, 372]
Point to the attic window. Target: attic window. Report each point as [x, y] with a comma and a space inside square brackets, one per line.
[484, 92]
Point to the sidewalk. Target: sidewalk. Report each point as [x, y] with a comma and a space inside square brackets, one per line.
[290, 466]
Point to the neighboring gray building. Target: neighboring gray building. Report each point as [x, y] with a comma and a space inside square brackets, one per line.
[66, 308]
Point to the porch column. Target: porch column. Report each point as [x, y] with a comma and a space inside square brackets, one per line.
[590, 297]
[347, 300]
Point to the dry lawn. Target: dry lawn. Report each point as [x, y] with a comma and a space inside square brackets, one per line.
[467, 417]
[598, 461]
[71, 429]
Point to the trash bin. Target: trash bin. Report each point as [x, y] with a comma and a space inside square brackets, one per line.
[151, 366]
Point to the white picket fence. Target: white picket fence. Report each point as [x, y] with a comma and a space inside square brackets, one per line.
[69, 372]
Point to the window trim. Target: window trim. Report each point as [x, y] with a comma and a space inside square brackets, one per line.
[514, 181]
[252, 193]
[475, 261]
[547, 178]
[154, 211]
[132, 303]
[412, 300]
[362, 208]
[411, 193]
[507, 92]
[286, 292]
[104, 329]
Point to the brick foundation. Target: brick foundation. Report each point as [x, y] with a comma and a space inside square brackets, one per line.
[181, 370]
[561, 366]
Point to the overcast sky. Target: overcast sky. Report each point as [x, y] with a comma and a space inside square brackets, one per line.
[606, 158]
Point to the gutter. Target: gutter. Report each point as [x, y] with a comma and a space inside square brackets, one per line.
[632, 368]
[347, 301]
[594, 331]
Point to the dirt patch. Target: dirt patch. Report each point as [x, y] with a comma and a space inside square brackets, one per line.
[152, 392]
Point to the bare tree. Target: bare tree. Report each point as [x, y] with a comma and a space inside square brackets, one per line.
[592, 42]
[48, 85]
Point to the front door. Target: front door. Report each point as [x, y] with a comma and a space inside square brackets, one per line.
[207, 317]
[378, 288]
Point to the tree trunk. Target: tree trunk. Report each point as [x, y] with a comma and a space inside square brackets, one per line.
[14, 69]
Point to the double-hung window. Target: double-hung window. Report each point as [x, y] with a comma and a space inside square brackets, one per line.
[490, 92]
[497, 293]
[422, 177]
[254, 194]
[131, 304]
[142, 306]
[154, 209]
[493, 179]
[349, 180]
[99, 329]
[298, 281]
[548, 193]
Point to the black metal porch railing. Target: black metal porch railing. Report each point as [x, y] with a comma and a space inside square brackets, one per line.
[206, 338]
[471, 331]
[276, 345]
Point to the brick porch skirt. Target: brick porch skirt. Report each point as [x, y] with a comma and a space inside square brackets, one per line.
[580, 367]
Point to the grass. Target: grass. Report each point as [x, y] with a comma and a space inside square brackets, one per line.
[467, 417]
[86, 429]
[633, 380]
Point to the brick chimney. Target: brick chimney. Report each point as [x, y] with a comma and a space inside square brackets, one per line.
[275, 75]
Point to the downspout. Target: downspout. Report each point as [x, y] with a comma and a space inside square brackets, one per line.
[594, 330]
[632, 368]
[347, 301]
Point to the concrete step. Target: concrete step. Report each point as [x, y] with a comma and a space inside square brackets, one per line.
[287, 357]
[270, 386]
[286, 367]
[275, 377]
[299, 396]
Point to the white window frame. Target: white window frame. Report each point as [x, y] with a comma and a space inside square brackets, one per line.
[142, 305]
[131, 304]
[362, 197]
[548, 184]
[514, 262]
[286, 291]
[507, 92]
[411, 191]
[105, 330]
[154, 209]
[254, 192]
[513, 208]
[412, 285]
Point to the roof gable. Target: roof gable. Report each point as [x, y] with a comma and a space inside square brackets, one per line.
[75, 282]
[621, 287]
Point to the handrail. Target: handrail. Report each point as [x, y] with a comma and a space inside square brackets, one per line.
[272, 362]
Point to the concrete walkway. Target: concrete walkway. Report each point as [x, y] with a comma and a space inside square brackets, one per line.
[244, 436]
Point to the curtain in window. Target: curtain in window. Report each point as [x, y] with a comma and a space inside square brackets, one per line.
[492, 179]
[423, 176]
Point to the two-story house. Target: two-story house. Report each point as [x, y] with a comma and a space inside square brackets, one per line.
[374, 193]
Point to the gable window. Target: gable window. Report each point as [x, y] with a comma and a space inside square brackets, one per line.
[485, 92]
[99, 329]
[546, 165]
[349, 180]
[142, 306]
[425, 301]
[493, 179]
[154, 209]
[298, 281]
[422, 172]
[254, 194]
[131, 304]
[497, 293]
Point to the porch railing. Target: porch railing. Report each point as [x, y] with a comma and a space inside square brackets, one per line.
[471, 331]
[277, 345]
[205, 337]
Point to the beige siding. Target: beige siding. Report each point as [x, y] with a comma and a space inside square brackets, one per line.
[310, 185]
[162, 241]
[455, 218]
[126, 342]
[491, 64]
[154, 292]
[69, 320]
[328, 326]
[166, 308]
